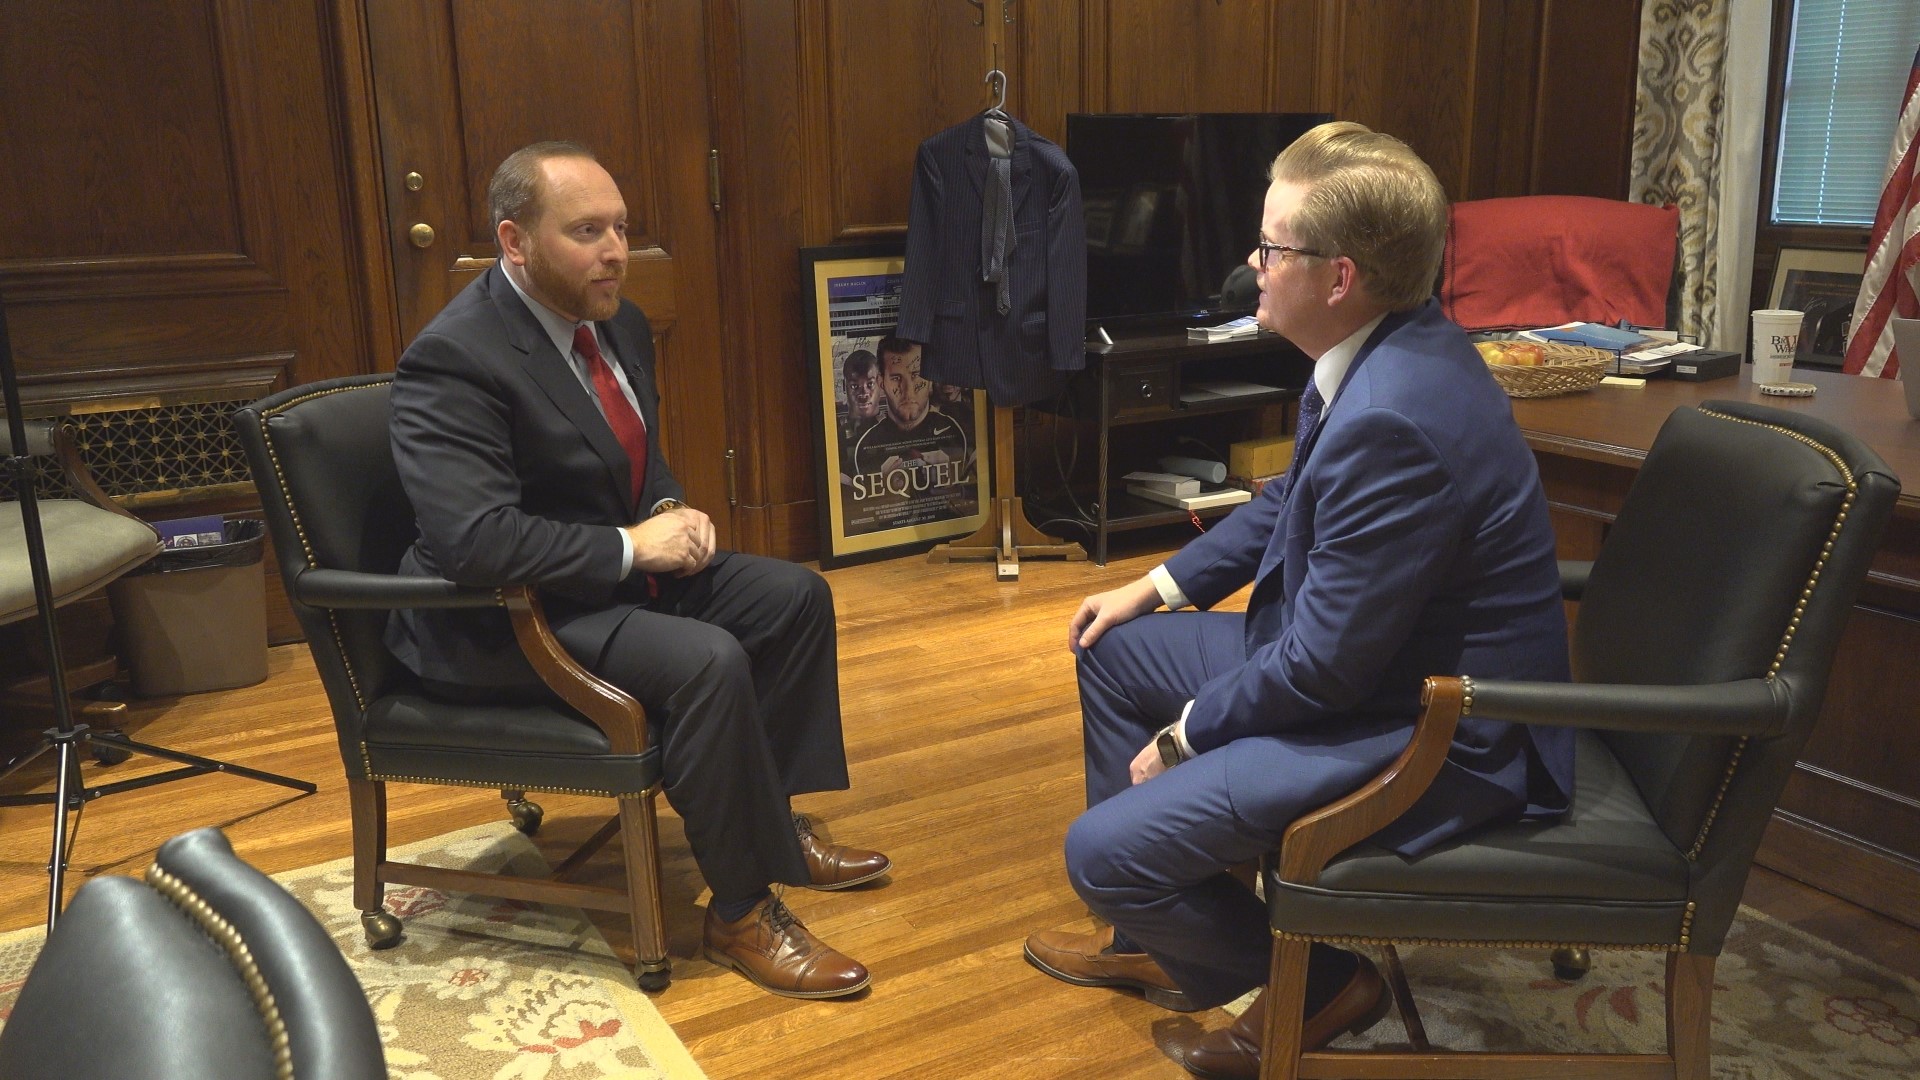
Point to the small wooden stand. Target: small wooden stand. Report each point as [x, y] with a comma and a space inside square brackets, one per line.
[1006, 535]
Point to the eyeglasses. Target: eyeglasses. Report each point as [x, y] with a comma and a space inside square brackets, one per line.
[1283, 250]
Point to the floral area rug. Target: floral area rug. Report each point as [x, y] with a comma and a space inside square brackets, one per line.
[478, 987]
[1786, 1006]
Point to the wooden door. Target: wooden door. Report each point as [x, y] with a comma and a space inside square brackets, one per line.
[460, 84]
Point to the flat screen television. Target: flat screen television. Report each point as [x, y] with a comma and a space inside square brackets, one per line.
[1173, 206]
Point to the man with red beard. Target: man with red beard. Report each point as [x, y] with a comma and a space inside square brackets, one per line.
[525, 430]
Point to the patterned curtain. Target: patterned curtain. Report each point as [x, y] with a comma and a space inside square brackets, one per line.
[1678, 129]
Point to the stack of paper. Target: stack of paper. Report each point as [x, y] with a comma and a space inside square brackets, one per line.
[1592, 335]
[1201, 501]
[1245, 326]
[1165, 483]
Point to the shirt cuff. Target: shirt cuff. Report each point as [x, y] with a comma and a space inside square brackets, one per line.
[1180, 732]
[1170, 593]
[626, 554]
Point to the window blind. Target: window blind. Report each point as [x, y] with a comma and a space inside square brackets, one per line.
[1847, 69]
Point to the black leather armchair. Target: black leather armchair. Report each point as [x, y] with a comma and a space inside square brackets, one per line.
[340, 523]
[1700, 652]
[205, 969]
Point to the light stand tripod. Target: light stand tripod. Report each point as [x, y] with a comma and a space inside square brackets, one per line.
[66, 738]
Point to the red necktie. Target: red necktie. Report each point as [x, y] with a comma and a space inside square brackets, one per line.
[621, 417]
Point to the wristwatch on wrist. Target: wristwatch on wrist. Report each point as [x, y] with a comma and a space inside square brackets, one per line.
[1169, 746]
[665, 505]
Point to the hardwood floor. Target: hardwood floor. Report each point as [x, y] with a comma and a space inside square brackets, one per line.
[962, 729]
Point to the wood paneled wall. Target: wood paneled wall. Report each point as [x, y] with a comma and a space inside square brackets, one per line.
[180, 219]
[828, 100]
[202, 197]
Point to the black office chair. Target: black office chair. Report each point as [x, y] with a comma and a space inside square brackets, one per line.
[340, 522]
[1701, 651]
[205, 969]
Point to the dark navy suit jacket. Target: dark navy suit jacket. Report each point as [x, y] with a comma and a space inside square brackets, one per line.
[944, 304]
[1414, 542]
[515, 478]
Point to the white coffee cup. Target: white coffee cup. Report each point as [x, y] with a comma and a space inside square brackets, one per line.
[1776, 333]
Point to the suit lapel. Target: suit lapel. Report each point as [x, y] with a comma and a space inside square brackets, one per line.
[627, 354]
[554, 375]
[976, 154]
[1276, 544]
[1022, 169]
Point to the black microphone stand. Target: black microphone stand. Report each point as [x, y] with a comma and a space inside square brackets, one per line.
[66, 738]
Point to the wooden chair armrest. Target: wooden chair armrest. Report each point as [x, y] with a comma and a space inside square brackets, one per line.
[1312, 841]
[67, 452]
[608, 706]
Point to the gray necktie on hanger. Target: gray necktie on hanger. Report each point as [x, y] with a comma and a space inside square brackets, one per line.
[996, 212]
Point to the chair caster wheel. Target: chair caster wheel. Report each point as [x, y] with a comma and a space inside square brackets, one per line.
[1569, 965]
[108, 754]
[381, 928]
[526, 815]
[654, 980]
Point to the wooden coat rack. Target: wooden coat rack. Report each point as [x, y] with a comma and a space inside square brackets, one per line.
[1006, 535]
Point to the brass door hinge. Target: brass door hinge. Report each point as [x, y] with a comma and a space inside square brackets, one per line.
[733, 481]
[713, 179]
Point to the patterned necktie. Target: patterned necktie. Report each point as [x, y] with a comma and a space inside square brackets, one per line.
[621, 417]
[1311, 403]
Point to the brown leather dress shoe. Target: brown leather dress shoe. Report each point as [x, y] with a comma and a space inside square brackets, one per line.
[1233, 1053]
[771, 947]
[836, 866]
[1089, 960]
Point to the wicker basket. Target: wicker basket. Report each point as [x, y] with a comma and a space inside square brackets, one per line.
[1567, 368]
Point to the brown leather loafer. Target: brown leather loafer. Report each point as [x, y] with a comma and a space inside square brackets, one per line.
[1233, 1053]
[1089, 960]
[836, 866]
[771, 947]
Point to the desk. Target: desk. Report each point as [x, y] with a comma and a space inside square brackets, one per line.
[1849, 822]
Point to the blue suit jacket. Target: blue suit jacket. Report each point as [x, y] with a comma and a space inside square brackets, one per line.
[1414, 542]
[943, 302]
[515, 478]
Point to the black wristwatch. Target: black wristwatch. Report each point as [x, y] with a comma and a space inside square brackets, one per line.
[1169, 746]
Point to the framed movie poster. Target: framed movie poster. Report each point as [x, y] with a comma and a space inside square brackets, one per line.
[897, 458]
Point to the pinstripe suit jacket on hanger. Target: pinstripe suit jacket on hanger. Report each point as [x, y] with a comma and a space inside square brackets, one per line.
[946, 304]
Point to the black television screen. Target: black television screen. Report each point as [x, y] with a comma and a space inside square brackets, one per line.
[1173, 207]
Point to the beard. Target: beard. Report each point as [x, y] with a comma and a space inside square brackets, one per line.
[569, 296]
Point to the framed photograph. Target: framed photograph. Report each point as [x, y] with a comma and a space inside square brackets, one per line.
[897, 459]
[1824, 285]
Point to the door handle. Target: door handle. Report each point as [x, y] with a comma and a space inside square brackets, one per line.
[421, 235]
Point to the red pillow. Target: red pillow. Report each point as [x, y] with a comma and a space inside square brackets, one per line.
[1542, 260]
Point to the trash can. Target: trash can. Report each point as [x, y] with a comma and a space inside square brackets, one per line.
[195, 618]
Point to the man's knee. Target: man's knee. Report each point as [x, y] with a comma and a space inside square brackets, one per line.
[790, 583]
[1093, 866]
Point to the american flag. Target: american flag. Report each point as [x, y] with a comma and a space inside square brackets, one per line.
[1888, 289]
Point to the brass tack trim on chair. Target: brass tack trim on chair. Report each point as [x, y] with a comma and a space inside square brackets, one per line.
[1466, 695]
[239, 955]
[300, 530]
[496, 784]
[1449, 943]
[1799, 608]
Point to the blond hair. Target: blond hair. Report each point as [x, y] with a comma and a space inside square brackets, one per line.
[1370, 198]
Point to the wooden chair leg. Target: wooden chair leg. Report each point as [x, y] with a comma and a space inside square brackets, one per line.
[640, 841]
[367, 800]
[1403, 1000]
[1286, 997]
[1690, 1015]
